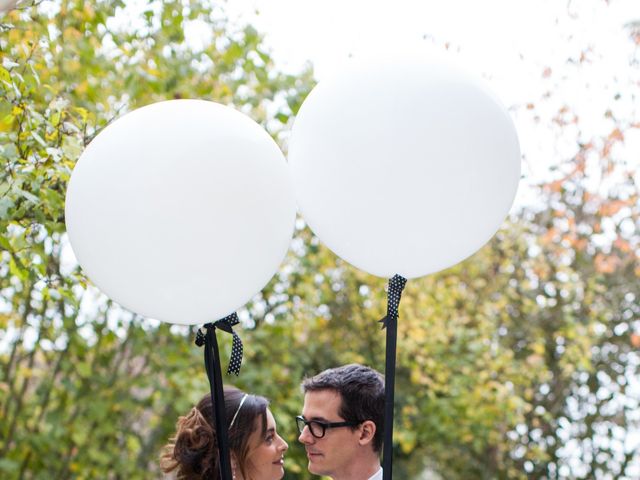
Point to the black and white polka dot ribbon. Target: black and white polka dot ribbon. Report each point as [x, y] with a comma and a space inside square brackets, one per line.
[396, 285]
[226, 325]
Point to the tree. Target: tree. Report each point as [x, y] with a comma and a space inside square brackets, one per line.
[86, 389]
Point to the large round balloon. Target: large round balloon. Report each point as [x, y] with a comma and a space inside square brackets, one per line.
[181, 210]
[404, 167]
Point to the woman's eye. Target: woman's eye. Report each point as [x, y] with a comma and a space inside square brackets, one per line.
[269, 439]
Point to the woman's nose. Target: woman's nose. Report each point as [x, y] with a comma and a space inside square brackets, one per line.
[284, 445]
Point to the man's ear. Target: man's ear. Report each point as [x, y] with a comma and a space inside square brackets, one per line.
[367, 432]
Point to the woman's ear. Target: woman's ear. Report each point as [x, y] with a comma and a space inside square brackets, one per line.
[367, 432]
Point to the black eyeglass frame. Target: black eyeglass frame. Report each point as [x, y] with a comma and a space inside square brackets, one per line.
[323, 425]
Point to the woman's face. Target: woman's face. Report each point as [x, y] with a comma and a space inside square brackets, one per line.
[265, 460]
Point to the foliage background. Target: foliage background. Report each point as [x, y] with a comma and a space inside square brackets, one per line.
[521, 362]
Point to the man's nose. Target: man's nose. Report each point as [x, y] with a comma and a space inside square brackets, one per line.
[305, 436]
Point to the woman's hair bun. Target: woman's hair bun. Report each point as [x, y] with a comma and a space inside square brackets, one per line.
[192, 448]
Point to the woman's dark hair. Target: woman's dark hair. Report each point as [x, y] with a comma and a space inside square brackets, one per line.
[192, 453]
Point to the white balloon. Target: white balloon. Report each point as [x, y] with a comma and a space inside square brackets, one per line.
[181, 210]
[404, 167]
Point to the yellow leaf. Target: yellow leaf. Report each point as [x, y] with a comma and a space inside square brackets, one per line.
[71, 33]
[537, 348]
[50, 137]
[89, 12]
[25, 372]
[4, 75]
[14, 36]
[83, 113]
[82, 88]
[6, 123]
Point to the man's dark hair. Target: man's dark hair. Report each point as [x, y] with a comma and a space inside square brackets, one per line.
[362, 392]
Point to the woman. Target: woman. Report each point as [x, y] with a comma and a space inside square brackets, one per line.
[256, 449]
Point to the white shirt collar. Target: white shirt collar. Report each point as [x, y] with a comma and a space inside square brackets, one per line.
[377, 475]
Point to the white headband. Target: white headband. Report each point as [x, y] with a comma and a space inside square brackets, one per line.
[238, 410]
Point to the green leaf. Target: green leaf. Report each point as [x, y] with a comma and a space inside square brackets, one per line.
[4, 243]
[38, 139]
[29, 196]
[9, 466]
[6, 204]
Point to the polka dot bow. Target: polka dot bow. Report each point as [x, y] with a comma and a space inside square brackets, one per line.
[226, 324]
[396, 285]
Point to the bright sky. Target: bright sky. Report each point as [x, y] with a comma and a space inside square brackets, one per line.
[490, 34]
[509, 42]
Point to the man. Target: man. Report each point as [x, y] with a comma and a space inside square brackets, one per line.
[342, 421]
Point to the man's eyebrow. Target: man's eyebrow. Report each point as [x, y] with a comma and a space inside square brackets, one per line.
[318, 419]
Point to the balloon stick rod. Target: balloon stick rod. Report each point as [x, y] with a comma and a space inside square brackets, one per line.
[390, 322]
[212, 364]
[389, 389]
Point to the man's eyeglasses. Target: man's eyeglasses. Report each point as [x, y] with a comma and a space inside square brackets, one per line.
[318, 428]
